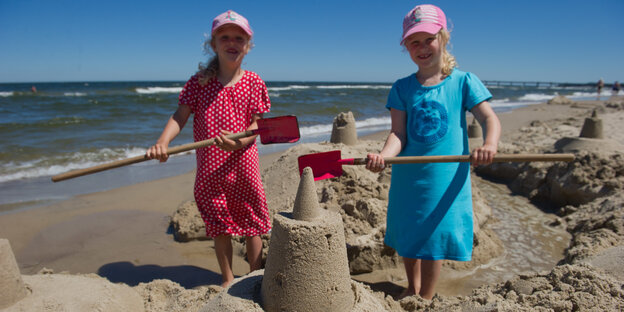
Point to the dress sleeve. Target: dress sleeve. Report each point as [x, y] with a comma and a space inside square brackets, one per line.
[394, 98]
[475, 91]
[188, 95]
[260, 102]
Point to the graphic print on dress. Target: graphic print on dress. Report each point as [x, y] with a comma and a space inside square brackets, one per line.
[429, 122]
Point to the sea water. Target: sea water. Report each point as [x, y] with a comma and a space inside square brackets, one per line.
[67, 126]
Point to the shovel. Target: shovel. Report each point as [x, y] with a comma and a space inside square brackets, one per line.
[282, 129]
[329, 164]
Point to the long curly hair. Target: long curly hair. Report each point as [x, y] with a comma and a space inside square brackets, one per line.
[208, 70]
[448, 60]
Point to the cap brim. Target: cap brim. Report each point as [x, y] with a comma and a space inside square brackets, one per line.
[428, 28]
[247, 30]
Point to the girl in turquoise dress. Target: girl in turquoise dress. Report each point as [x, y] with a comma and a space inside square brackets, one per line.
[430, 205]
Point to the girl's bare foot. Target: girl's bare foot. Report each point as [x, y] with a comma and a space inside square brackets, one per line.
[406, 293]
[225, 283]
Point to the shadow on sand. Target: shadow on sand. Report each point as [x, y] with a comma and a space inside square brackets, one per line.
[187, 276]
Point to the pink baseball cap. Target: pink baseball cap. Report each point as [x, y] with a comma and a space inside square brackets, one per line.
[426, 18]
[231, 17]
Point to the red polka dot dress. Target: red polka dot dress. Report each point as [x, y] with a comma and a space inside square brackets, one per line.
[228, 187]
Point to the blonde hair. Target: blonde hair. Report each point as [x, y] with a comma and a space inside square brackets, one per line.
[207, 71]
[448, 60]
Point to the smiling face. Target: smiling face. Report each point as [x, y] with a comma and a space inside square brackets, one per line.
[425, 50]
[230, 43]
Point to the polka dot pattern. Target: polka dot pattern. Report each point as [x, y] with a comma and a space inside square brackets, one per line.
[228, 187]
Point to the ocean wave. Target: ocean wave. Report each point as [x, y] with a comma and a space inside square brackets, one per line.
[593, 95]
[373, 122]
[509, 103]
[532, 97]
[74, 94]
[362, 124]
[505, 100]
[316, 129]
[153, 90]
[356, 87]
[6, 94]
[288, 88]
[584, 94]
[330, 87]
[59, 164]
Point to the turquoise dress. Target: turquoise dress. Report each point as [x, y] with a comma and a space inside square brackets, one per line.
[430, 205]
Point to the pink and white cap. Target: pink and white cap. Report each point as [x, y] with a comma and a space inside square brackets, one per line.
[423, 18]
[231, 17]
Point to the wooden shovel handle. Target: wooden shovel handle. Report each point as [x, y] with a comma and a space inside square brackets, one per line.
[137, 159]
[466, 158]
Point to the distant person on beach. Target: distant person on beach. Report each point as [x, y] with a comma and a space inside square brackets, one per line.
[225, 99]
[430, 205]
[599, 87]
[33, 89]
[616, 88]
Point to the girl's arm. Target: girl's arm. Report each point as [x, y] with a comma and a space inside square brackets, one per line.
[394, 143]
[231, 145]
[172, 129]
[492, 130]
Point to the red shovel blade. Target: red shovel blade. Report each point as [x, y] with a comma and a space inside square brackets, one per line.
[324, 165]
[282, 129]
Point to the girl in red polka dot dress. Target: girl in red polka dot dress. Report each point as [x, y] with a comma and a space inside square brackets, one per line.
[225, 99]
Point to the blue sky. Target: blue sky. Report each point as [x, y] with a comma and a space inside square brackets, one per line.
[563, 41]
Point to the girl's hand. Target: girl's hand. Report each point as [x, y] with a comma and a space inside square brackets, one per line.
[483, 155]
[375, 162]
[158, 151]
[226, 144]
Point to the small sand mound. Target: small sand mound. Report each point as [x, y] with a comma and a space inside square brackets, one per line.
[565, 288]
[560, 100]
[166, 296]
[187, 223]
[64, 292]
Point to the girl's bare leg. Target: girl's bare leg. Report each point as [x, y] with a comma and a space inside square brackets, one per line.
[412, 270]
[430, 271]
[422, 276]
[254, 252]
[223, 250]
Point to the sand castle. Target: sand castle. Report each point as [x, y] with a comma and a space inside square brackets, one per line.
[343, 129]
[591, 138]
[592, 128]
[475, 134]
[307, 268]
[12, 287]
[474, 130]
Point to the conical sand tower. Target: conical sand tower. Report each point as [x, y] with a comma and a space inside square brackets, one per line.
[12, 287]
[343, 129]
[592, 128]
[474, 130]
[475, 134]
[307, 267]
[591, 139]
